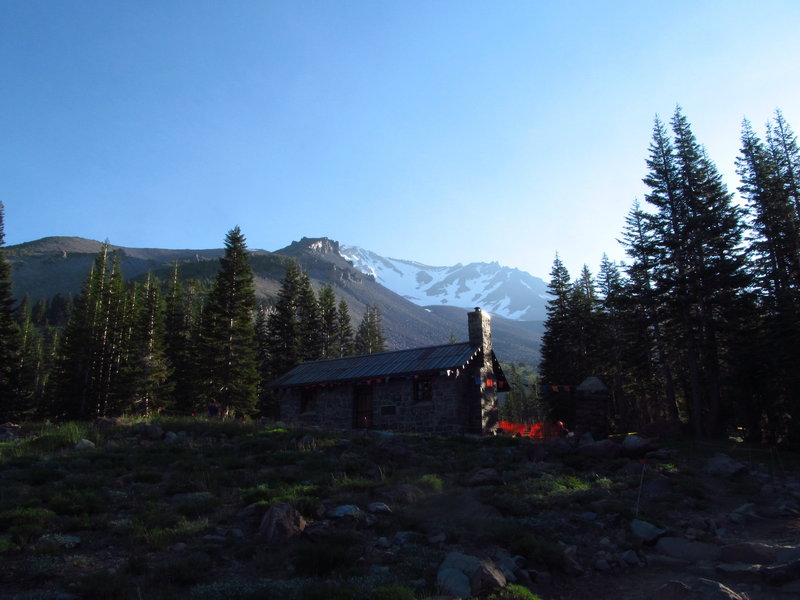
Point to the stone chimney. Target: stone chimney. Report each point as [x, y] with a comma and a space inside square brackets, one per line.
[480, 330]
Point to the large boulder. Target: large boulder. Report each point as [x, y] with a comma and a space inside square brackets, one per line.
[464, 576]
[723, 465]
[281, 523]
[688, 550]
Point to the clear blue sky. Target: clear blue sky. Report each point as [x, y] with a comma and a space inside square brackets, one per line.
[437, 131]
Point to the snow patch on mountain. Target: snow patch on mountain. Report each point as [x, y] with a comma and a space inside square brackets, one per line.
[503, 291]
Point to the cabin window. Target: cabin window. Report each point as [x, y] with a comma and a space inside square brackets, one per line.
[308, 401]
[423, 390]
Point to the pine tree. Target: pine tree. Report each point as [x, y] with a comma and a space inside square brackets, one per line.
[32, 374]
[344, 341]
[369, 336]
[79, 372]
[309, 321]
[10, 343]
[283, 328]
[558, 362]
[648, 389]
[768, 183]
[182, 343]
[146, 369]
[327, 315]
[229, 344]
[698, 267]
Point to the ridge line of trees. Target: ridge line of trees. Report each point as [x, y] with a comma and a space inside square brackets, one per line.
[139, 348]
[700, 331]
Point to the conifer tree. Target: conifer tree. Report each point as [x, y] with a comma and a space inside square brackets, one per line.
[768, 183]
[309, 321]
[557, 366]
[369, 336]
[229, 343]
[327, 315]
[182, 343]
[699, 268]
[344, 341]
[283, 328]
[146, 369]
[10, 343]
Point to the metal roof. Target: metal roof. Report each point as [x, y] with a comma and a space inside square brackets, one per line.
[381, 365]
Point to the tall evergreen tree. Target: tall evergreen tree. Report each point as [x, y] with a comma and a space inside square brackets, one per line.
[327, 315]
[79, 356]
[229, 344]
[698, 266]
[344, 341]
[182, 343]
[768, 183]
[558, 362]
[283, 328]
[10, 343]
[369, 336]
[309, 321]
[146, 368]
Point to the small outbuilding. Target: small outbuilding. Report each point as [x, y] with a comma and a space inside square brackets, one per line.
[436, 389]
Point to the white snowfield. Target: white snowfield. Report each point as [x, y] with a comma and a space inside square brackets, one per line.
[503, 291]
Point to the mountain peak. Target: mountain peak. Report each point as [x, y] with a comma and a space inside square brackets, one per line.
[503, 291]
[320, 246]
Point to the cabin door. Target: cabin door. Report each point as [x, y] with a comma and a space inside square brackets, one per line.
[363, 407]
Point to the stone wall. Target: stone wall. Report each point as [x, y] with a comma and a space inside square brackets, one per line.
[457, 406]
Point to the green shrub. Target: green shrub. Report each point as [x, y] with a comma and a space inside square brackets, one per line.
[514, 592]
[431, 483]
[73, 501]
[393, 592]
[25, 524]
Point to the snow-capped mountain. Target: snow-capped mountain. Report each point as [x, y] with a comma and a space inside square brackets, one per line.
[503, 291]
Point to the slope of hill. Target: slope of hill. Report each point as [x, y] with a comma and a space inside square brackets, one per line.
[503, 291]
[61, 264]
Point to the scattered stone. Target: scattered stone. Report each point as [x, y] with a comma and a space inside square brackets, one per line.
[150, 432]
[749, 552]
[746, 573]
[723, 465]
[402, 538]
[215, 539]
[674, 590]
[629, 557]
[601, 449]
[714, 590]
[439, 538]
[558, 447]
[378, 508]
[84, 444]
[382, 542]
[281, 522]
[345, 510]
[463, 576]
[484, 477]
[635, 446]
[602, 565]
[646, 532]
[688, 550]
[782, 574]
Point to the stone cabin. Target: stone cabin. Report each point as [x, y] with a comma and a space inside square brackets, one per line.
[437, 389]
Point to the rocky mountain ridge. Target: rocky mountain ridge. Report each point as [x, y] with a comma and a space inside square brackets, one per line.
[501, 290]
[61, 264]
